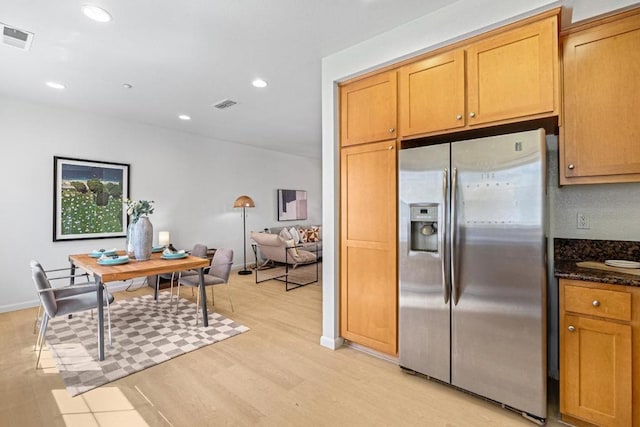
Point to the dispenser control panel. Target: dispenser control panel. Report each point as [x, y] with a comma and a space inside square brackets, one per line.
[424, 212]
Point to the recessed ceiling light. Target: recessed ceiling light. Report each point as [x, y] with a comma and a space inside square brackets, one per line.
[184, 117]
[259, 83]
[127, 85]
[56, 85]
[96, 13]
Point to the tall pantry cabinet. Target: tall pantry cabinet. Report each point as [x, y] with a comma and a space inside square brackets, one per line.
[368, 190]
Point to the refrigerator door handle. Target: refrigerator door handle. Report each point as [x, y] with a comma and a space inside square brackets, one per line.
[452, 243]
[443, 243]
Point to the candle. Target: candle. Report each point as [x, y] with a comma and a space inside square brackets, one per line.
[163, 238]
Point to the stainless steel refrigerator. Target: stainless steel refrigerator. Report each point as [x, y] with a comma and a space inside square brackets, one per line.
[472, 266]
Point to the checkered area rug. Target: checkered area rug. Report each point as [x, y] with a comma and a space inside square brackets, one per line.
[145, 333]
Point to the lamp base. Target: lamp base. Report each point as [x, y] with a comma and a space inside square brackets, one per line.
[244, 272]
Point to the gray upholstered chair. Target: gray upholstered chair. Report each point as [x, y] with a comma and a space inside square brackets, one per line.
[60, 292]
[198, 250]
[56, 305]
[216, 274]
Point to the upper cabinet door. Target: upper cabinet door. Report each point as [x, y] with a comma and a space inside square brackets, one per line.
[432, 94]
[368, 109]
[514, 74]
[600, 141]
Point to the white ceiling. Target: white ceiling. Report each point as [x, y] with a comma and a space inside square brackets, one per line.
[183, 56]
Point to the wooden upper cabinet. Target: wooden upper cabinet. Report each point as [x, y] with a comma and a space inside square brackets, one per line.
[368, 109]
[600, 139]
[514, 74]
[432, 95]
[508, 76]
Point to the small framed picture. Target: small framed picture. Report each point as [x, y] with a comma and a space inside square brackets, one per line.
[88, 199]
[292, 205]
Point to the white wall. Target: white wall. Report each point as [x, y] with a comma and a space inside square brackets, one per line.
[459, 20]
[193, 180]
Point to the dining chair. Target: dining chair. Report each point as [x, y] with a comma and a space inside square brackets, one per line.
[216, 274]
[60, 292]
[198, 250]
[59, 302]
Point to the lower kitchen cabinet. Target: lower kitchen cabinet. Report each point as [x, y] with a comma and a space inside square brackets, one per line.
[599, 353]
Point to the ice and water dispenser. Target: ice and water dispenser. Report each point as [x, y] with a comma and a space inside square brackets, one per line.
[424, 227]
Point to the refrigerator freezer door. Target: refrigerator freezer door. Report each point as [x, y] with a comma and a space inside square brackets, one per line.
[424, 314]
[498, 321]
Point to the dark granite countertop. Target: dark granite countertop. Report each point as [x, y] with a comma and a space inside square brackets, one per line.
[567, 252]
[567, 269]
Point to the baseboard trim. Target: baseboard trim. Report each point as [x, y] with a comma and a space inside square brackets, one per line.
[372, 352]
[332, 343]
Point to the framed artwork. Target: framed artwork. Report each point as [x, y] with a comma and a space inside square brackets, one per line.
[88, 199]
[292, 205]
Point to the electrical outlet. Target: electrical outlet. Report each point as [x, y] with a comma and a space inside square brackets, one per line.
[582, 221]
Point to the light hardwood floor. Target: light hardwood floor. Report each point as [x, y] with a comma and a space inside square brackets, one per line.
[275, 374]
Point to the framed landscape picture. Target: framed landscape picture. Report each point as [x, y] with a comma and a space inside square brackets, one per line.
[292, 205]
[88, 199]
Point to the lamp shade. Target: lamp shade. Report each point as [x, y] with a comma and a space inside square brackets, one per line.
[164, 238]
[244, 202]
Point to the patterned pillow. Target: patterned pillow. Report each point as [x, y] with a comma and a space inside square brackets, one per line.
[312, 234]
[303, 235]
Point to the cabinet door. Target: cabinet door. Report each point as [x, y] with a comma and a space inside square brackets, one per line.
[601, 135]
[595, 370]
[432, 94]
[513, 74]
[368, 278]
[368, 109]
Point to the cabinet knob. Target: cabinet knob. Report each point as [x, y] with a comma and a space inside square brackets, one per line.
[596, 303]
[571, 166]
[571, 328]
[459, 117]
[472, 114]
[391, 130]
[390, 147]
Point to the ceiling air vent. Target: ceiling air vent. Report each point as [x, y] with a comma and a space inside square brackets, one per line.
[15, 37]
[225, 103]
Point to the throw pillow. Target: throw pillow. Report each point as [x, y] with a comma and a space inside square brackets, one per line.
[312, 234]
[295, 235]
[320, 233]
[303, 235]
[284, 233]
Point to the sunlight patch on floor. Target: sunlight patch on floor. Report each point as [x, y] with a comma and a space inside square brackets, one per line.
[101, 407]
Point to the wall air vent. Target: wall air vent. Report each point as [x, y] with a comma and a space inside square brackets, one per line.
[225, 103]
[15, 37]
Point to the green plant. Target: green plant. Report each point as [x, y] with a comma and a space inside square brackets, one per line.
[137, 208]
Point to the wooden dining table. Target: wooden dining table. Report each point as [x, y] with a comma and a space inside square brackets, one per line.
[154, 266]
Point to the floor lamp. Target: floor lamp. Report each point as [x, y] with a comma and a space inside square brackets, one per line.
[244, 202]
